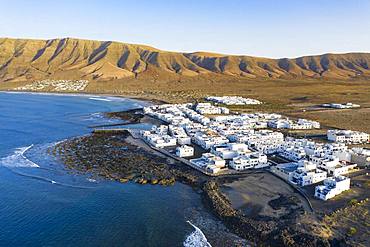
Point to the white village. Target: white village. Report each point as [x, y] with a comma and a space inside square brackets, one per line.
[55, 85]
[217, 141]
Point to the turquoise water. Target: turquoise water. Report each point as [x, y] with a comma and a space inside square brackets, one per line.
[43, 204]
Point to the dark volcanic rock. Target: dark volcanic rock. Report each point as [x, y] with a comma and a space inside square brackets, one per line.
[132, 116]
[111, 156]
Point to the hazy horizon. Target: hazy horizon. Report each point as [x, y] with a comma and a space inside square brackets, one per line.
[255, 28]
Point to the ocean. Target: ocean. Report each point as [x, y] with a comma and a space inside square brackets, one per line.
[44, 204]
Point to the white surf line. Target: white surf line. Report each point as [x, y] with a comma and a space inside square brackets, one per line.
[100, 99]
[108, 97]
[18, 159]
[24, 151]
[75, 94]
[196, 238]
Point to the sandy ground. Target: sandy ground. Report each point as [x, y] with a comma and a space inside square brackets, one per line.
[252, 193]
[354, 119]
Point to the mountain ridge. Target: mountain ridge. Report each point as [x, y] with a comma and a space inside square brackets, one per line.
[71, 58]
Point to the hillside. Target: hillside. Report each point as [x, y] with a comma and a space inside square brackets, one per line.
[25, 59]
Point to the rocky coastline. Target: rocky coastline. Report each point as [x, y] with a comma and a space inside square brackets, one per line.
[114, 156]
[109, 155]
[131, 116]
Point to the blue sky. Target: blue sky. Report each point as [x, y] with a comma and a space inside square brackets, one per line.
[261, 28]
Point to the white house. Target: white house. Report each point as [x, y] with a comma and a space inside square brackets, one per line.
[266, 141]
[233, 100]
[341, 106]
[285, 170]
[209, 162]
[332, 165]
[332, 186]
[161, 129]
[293, 153]
[248, 161]
[279, 123]
[208, 108]
[347, 136]
[308, 124]
[185, 151]
[307, 173]
[180, 134]
[230, 150]
[161, 141]
[290, 124]
[208, 140]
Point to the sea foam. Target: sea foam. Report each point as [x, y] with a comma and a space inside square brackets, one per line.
[100, 99]
[196, 238]
[18, 159]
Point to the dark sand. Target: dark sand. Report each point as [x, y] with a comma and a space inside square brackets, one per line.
[253, 193]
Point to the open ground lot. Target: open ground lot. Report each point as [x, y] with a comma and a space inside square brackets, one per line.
[355, 119]
[346, 216]
[259, 195]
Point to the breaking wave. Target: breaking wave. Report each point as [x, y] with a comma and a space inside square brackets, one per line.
[18, 159]
[101, 99]
[98, 117]
[196, 238]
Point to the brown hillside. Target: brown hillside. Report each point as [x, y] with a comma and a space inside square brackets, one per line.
[25, 59]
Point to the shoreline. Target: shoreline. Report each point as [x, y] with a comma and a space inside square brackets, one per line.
[257, 230]
[268, 231]
[283, 230]
[139, 167]
[86, 94]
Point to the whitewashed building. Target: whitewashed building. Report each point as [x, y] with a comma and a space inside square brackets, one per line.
[332, 165]
[332, 186]
[210, 163]
[347, 136]
[233, 100]
[306, 174]
[208, 140]
[292, 153]
[290, 124]
[285, 170]
[208, 108]
[185, 151]
[266, 141]
[180, 134]
[341, 106]
[249, 161]
[230, 150]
